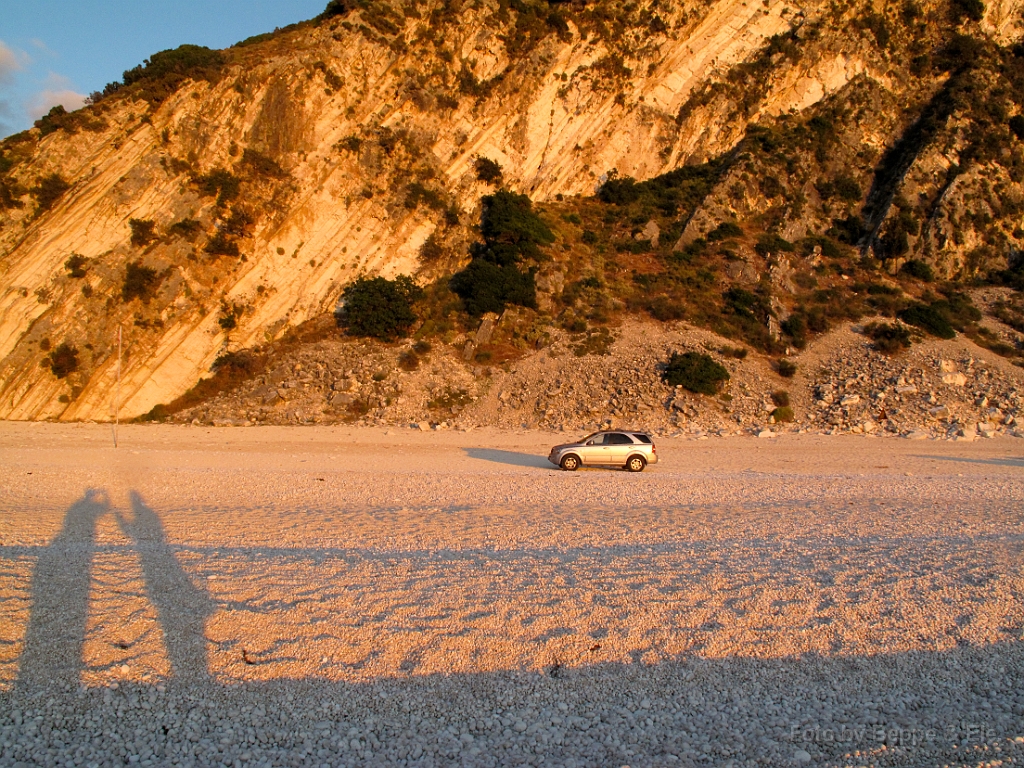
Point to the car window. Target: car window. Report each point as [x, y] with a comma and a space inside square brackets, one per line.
[643, 438]
[617, 439]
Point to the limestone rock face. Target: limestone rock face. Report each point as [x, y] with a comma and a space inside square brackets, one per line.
[337, 149]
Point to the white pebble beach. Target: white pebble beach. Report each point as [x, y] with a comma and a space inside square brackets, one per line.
[331, 596]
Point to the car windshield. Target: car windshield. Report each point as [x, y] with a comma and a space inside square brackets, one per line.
[590, 437]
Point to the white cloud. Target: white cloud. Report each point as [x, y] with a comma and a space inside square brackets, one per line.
[41, 102]
[56, 90]
[11, 62]
[42, 46]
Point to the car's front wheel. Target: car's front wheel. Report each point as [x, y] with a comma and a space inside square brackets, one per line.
[636, 464]
[570, 463]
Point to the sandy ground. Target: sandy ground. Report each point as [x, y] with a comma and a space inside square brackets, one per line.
[353, 555]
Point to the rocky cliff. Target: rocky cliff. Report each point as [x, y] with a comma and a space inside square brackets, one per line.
[218, 208]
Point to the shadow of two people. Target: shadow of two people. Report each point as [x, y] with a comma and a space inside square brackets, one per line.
[62, 579]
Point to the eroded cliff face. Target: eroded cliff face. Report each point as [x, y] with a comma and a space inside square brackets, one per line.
[337, 149]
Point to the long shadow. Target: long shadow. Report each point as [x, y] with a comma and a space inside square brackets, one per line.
[182, 608]
[511, 458]
[60, 598]
[1009, 461]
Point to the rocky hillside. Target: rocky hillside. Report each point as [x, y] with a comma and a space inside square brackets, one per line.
[216, 201]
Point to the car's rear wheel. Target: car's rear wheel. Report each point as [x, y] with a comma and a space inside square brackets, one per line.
[571, 463]
[636, 464]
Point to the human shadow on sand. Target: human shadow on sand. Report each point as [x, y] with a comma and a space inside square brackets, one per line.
[181, 606]
[512, 458]
[60, 597]
[60, 588]
[1009, 461]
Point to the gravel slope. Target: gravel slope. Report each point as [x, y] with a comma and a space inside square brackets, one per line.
[311, 596]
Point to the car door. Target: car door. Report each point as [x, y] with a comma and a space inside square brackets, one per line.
[595, 451]
[618, 448]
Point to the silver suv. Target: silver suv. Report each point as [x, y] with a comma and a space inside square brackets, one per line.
[615, 448]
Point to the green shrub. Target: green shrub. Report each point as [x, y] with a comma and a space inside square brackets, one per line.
[795, 326]
[142, 232]
[772, 243]
[378, 307]
[512, 232]
[64, 360]
[221, 183]
[695, 372]
[432, 250]
[139, 282]
[222, 245]
[1016, 124]
[262, 165]
[229, 314]
[724, 231]
[485, 286]
[336, 8]
[739, 301]
[929, 319]
[161, 74]
[48, 191]
[488, 170]
[75, 265]
[416, 193]
[888, 338]
[783, 414]
[781, 398]
[508, 218]
[971, 10]
[674, 192]
[919, 270]
[187, 228]
[737, 353]
[786, 368]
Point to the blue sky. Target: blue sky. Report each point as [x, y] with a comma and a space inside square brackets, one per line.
[57, 51]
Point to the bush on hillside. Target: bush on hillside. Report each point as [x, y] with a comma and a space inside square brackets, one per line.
[142, 231]
[379, 308]
[772, 243]
[786, 368]
[161, 74]
[139, 282]
[64, 360]
[929, 319]
[1016, 124]
[695, 372]
[783, 414]
[969, 10]
[221, 183]
[488, 171]
[75, 265]
[512, 233]
[888, 338]
[485, 286]
[919, 270]
[724, 231]
[48, 191]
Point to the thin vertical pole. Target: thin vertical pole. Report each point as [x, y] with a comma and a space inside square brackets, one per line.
[117, 391]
